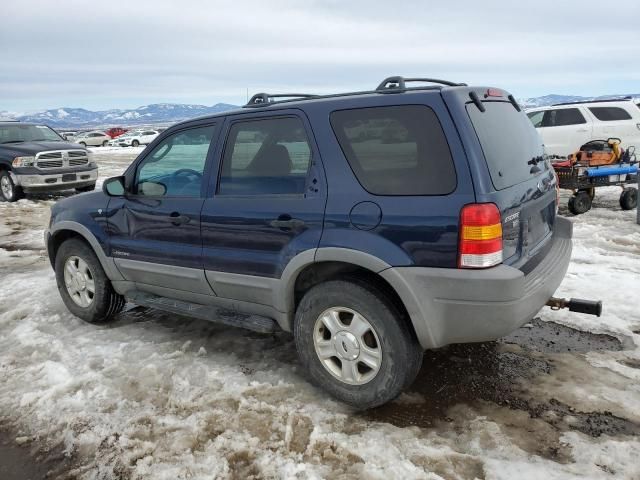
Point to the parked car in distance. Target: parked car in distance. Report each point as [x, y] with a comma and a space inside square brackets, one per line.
[115, 132]
[94, 138]
[143, 137]
[34, 159]
[565, 127]
[69, 136]
[373, 225]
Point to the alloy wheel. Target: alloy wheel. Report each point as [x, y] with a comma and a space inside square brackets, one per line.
[347, 345]
[79, 281]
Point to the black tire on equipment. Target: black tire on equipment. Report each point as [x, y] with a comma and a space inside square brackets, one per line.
[106, 303]
[401, 352]
[580, 203]
[629, 198]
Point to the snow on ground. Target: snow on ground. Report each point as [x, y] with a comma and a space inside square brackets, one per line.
[155, 396]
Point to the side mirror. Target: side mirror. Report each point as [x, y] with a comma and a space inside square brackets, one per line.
[114, 186]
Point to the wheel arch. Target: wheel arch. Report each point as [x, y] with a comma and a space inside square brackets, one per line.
[65, 230]
[338, 263]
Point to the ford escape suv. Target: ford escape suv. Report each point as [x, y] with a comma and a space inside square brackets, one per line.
[373, 225]
[34, 158]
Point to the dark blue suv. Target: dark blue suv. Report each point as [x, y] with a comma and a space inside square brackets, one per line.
[373, 225]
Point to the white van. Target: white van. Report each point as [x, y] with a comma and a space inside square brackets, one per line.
[564, 127]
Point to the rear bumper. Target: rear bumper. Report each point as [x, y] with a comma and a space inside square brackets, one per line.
[461, 306]
[47, 182]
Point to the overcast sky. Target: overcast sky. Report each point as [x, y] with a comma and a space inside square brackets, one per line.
[107, 54]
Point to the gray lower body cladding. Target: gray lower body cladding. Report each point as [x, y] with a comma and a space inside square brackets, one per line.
[461, 306]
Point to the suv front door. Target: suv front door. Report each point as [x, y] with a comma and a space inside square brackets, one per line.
[267, 206]
[155, 228]
[564, 130]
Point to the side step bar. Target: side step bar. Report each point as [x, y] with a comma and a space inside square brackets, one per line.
[204, 312]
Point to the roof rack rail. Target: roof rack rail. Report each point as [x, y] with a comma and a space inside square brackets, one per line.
[604, 100]
[398, 84]
[261, 99]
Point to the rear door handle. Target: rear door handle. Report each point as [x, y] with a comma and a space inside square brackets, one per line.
[286, 222]
[176, 219]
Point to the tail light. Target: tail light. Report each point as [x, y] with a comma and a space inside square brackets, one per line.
[480, 236]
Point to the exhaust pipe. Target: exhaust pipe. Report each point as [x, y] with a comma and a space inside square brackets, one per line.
[589, 307]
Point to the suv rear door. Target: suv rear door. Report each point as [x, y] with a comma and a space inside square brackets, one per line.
[616, 121]
[564, 129]
[521, 181]
[266, 206]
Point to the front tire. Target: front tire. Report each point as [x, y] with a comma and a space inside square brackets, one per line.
[104, 144]
[355, 344]
[83, 144]
[9, 190]
[83, 285]
[135, 143]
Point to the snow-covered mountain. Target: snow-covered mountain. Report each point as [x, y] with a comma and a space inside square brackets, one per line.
[167, 113]
[148, 114]
[553, 99]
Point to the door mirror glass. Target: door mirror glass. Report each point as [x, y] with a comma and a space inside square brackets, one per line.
[114, 187]
[151, 189]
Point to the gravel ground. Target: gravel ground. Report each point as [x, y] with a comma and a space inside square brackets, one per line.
[156, 396]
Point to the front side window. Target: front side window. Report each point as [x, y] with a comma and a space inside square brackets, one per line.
[536, 118]
[610, 114]
[265, 157]
[562, 117]
[398, 150]
[175, 168]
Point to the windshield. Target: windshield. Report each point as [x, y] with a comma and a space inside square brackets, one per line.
[27, 133]
[511, 146]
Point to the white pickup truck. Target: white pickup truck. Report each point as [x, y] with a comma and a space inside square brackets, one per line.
[564, 127]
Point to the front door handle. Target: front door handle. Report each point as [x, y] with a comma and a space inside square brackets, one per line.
[176, 219]
[286, 222]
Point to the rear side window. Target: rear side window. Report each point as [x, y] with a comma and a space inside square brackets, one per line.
[265, 157]
[610, 114]
[398, 150]
[562, 117]
[508, 141]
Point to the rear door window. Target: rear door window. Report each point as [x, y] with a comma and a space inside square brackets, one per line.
[610, 114]
[265, 157]
[397, 150]
[562, 117]
[508, 142]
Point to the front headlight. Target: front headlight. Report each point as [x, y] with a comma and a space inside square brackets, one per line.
[23, 161]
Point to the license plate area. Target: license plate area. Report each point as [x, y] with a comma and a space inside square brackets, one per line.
[69, 177]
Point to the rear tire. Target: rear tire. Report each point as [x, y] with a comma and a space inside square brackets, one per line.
[83, 144]
[629, 198]
[580, 203]
[88, 188]
[9, 190]
[85, 273]
[135, 143]
[104, 144]
[364, 367]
